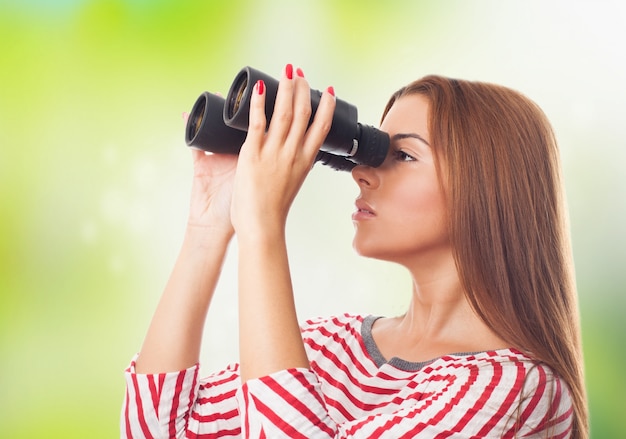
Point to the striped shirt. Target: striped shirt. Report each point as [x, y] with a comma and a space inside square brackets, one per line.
[351, 391]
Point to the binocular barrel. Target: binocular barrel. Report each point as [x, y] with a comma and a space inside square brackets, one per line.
[219, 125]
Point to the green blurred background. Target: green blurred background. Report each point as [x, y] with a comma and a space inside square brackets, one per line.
[95, 176]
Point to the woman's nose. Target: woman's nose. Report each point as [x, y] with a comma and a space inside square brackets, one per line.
[365, 176]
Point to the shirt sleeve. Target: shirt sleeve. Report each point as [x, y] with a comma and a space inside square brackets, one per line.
[285, 404]
[178, 405]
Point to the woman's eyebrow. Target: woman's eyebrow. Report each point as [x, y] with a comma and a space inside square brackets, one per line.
[401, 136]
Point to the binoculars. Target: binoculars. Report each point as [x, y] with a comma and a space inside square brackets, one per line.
[219, 125]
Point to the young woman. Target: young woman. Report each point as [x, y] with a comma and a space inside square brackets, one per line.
[468, 200]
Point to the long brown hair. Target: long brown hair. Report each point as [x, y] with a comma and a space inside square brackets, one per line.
[498, 156]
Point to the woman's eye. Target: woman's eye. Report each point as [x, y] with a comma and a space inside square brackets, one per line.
[402, 156]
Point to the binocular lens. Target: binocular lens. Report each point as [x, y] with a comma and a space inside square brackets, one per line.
[196, 118]
[239, 90]
[206, 129]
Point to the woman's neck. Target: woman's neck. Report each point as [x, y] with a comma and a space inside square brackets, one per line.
[438, 321]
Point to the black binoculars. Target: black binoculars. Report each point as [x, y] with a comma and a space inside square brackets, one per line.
[219, 125]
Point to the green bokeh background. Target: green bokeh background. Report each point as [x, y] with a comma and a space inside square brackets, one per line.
[94, 174]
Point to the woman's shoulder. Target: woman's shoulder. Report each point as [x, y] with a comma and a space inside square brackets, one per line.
[507, 363]
[505, 370]
[505, 382]
[512, 373]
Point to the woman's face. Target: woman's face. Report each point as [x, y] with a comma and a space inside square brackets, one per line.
[401, 210]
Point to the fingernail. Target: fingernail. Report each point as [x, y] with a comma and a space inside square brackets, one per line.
[289, 71]
[185, 116]
[331, 90]
[260, 86]
[299, 72]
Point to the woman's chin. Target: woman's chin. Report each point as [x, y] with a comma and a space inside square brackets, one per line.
[363, 249]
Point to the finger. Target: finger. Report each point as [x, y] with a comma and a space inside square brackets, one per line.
[317, 132]
[196, 153]
[301, 112]
[283, 109]
[257, 119]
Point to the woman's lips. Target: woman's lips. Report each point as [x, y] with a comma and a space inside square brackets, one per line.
[363, 211]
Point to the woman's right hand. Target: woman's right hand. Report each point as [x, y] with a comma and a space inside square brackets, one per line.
[212, 190]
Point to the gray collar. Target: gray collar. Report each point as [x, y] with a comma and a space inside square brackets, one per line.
[398, 363]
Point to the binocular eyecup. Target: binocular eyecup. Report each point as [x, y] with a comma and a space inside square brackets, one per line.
[219, 125]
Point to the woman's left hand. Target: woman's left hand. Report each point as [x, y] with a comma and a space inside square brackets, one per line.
[272, 165]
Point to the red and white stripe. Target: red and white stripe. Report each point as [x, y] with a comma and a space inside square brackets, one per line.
[345, 394]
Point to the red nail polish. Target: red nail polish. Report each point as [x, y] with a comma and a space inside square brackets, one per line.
[331, 90]
[260, 86]
[289, 71]
[299, 72]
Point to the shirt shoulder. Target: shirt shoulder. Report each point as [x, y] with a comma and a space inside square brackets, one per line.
[337, 351]
[344, 330]
[346, 320]
[506, 385]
